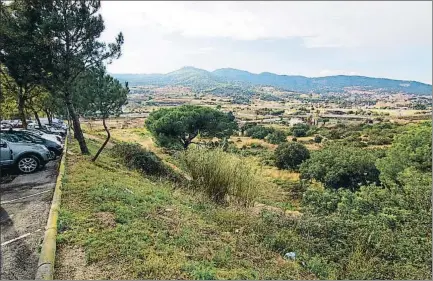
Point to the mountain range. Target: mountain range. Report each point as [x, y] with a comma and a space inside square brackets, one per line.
[203, 80]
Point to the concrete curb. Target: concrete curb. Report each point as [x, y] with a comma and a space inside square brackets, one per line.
[47, 257]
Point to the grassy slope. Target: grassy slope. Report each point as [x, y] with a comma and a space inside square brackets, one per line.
[269, 194]
[129, 227]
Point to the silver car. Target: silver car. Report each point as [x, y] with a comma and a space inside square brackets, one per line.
[26, 157]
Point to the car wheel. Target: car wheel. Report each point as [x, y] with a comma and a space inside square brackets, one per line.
[28, 164]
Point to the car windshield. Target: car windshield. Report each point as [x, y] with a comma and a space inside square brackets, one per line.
[23, 136]
[10, 137]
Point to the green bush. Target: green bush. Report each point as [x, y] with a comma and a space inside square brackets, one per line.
[299, 133]
[259, 132]
[300, 130]
[380, 140]
[136, 157]
[291, 155]
[338, 166]
[318, 139]
[221, 175]
[374, 233]
[256, 145]
[277, 137]
[410, 149]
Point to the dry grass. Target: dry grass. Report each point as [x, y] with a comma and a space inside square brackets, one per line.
[221, 175]
[275, 173]
[247, 141]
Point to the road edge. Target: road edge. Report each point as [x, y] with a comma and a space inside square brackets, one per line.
[47, 257]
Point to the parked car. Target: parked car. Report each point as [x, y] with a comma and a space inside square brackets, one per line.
[45, 130]
[43, 135]
[5, 126]
[26, 157]
[48, 129]
[54, 147]
[55, 129]
[57, 123]
[17, 124]
[60, 126]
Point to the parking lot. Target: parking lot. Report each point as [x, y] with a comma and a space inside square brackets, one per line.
[25, 205]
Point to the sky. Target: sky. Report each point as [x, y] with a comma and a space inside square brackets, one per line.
[377, 39]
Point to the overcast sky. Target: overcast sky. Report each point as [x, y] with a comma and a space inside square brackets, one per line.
[380, 39]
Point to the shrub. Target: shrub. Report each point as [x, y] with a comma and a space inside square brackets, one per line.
[220, 174]
[299, 133]
[256, 145]
[291, 155]
[318, 139]
[136, 157]
[338, 166]
[374, 233]
[294, 139]
[410, 149]
[259, 132]
[380, 140]
[277, 137]
[300, 130]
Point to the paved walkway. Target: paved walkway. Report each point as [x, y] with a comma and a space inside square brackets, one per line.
[25, 205]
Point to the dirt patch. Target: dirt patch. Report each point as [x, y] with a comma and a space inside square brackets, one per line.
[259, 207]
[293, 214]
[71, 265]
[107, 219]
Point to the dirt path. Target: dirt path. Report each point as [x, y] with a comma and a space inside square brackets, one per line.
[95, 138]
[25, 204]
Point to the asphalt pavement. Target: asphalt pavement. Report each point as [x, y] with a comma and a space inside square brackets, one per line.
[25, 205]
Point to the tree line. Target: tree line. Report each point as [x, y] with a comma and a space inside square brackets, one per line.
[53, 62]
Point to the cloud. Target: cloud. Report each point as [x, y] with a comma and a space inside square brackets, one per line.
[319, 24]
[381, 39]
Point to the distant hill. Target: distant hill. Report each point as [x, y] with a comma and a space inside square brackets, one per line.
[203, 80]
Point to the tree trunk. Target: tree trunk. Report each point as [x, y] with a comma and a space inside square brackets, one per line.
[21, 105]
[49, 117]
[37, 118]
[105, 142]
[70, 129]
[185, 145]
[188, 141]
[78, 133]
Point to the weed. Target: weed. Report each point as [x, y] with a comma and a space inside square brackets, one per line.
[220, 175]
[202, 271]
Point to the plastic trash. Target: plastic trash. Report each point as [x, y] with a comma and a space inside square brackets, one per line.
[290, 255]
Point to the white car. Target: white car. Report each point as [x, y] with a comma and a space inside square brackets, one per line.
[54, 138]
[48, 128]
[5, 126]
